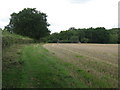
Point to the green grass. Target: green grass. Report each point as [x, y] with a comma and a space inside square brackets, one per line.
[78, 56]
[9, 39]
[36, 67]
[8, 34]
[11, 67]
[39, 69]
[44, 70]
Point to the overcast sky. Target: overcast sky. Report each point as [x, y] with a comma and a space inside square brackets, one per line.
[63, 14]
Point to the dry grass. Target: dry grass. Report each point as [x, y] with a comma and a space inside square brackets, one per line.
[101, 60]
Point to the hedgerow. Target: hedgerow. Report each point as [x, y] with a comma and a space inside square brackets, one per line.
[9, 39]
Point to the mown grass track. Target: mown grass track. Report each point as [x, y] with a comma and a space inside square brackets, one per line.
[40, 69]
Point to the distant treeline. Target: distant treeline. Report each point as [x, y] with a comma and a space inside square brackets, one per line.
[89, 35]
[33, 24]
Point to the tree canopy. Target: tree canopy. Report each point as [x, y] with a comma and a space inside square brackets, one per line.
[29, 22]
[89, 35]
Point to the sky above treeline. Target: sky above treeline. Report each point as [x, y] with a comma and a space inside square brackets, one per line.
[63, 14]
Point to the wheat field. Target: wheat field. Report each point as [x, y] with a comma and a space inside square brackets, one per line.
[100, 60]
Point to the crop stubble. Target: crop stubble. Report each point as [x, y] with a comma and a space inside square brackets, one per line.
[98, 59]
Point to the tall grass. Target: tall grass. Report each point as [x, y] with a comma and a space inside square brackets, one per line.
[11, 38]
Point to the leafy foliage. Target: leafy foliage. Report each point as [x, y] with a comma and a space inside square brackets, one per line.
[9, 39]
[29, 22]
[89, 35]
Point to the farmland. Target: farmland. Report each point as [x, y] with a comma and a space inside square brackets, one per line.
[61, 66]
[99, 60]
[35, 56]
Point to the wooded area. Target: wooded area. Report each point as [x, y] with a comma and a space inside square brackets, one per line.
[33, 23]
[86, 35]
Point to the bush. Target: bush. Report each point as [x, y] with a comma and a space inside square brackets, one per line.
[9, 39]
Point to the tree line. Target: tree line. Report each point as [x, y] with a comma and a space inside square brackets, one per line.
[33, 23]
[89, 35]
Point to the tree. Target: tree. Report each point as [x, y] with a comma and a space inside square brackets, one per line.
[74, 39]
[29, 22]
[113, 35]
[54, 38]
[85, 40]
[72, 28]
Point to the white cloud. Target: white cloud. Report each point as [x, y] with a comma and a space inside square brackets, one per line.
[63, 14]
[78, 1]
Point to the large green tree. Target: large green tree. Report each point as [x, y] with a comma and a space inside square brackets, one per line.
[29, 22]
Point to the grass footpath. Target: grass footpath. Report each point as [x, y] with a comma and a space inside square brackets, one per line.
[32, 66]
[41, 69]
[37, 68]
